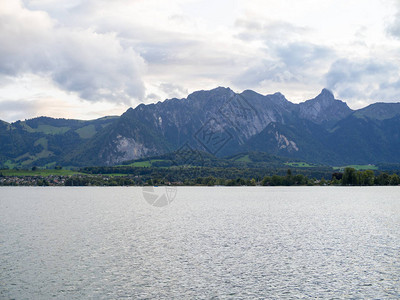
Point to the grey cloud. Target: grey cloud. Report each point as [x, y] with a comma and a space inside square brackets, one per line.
[393, 29]
[193, 55]
[96, 66]
[159, 46]
[157, 51]
[155, 44]
[346, 71]
[264, 70]
[288, 61]
[18, 110]
[303, 55]
[173, 90]
[251, 30]
[364, 80]
[294, 62]
[174, 55]
[153, 97]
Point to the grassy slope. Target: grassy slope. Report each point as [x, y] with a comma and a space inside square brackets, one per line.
[44, 172]
[86, 132]
[300, 165]
[358, 167]
[244, 158]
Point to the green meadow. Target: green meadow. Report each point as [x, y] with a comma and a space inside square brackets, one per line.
[39, 172]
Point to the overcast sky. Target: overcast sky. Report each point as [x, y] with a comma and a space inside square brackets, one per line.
[86, 59]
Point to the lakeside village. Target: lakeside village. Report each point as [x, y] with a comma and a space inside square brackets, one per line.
[350, 177]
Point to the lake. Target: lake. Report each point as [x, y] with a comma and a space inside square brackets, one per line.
[208, 243]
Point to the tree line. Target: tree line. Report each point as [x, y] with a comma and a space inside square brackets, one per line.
[350, 177]
[194, 177]
[353, 177]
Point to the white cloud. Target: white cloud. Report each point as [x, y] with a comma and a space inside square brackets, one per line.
[394, 27]
[93, 65]
[361, 80]
[33, 96]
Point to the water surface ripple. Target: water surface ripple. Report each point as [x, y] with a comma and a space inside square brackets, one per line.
[210, 243]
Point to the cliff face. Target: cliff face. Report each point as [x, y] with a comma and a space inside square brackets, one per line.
[324, 109]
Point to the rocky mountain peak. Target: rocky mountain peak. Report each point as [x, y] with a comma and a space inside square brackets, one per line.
[325, 95]
[219, 91]
[324, 108]
[280, 96]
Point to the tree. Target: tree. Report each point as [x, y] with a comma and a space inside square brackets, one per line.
[367, 177]
[299, 179]
[210, 181]
[335, 181]
[394, 179]
[383, 179]
[240, 181]
[266, 180]
[276, 180]
[221, 181]
[337, 175]
[288, 180]
[349, 176]
[231, 182]
[251, 182]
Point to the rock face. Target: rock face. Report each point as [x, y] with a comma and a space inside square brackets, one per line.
[324, 109]
[218, 121]
[165, 126]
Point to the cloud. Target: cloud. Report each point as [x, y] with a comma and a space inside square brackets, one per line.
[303, 55]
[394, 28]
[364, 80]
[98, 67]
[72, 108]
[17, 110]
[122, 51]
[95, 66]
[294, 62]
[173, 89]
[287, 60]
[174, 46]
[267, 31]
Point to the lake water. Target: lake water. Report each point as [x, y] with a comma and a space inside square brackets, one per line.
[209, 243]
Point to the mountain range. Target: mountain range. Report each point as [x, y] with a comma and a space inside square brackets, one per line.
[322, 130]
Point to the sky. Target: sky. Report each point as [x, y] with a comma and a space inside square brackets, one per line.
[85, 59]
